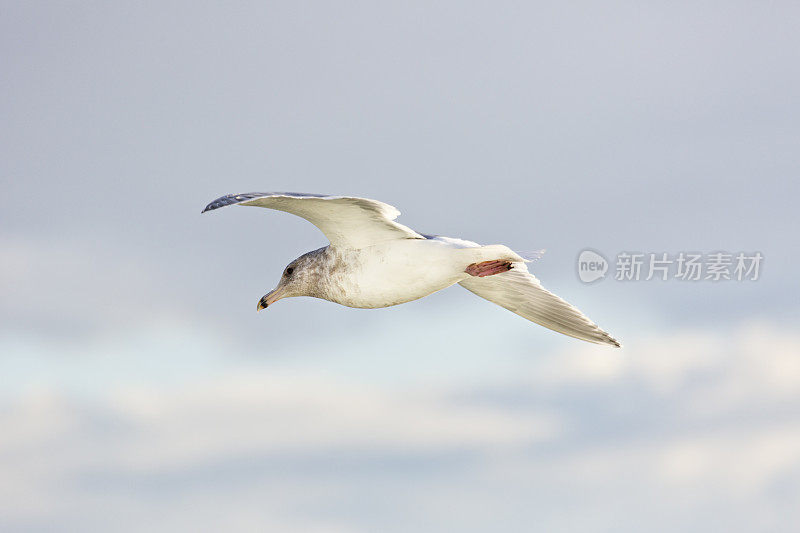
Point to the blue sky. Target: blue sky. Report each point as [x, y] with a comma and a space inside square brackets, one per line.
[139, 383]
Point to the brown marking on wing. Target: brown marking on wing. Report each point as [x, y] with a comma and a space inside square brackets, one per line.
[488, 268]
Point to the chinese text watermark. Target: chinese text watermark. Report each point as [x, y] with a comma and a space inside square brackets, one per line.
[682, 266]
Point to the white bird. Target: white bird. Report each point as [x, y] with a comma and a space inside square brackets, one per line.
[372, 261]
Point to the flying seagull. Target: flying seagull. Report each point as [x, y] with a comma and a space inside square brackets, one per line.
[372, 261]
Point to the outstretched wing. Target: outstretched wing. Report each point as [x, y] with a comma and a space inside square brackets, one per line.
[520, 292]
[347, 222]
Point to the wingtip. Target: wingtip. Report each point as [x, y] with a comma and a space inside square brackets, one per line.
[606, 340]
[233, 199]
[223, 201]
[209, 207]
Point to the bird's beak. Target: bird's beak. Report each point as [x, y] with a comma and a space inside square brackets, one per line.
[270, 298]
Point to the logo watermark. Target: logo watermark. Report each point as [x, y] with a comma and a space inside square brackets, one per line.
[663, 266]
[591, 266]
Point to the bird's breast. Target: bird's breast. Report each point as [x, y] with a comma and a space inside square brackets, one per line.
[388, 274]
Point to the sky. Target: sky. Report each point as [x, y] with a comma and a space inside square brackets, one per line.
[139, 389]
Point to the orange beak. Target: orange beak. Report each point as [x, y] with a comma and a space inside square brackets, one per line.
[270, 298]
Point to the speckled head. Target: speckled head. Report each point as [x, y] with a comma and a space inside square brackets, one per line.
[301, 277]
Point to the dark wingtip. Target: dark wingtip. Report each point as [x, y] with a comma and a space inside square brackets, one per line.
[230, 199]
[213, 205]
[210, 207]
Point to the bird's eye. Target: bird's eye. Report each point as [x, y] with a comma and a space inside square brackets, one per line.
[289, 271]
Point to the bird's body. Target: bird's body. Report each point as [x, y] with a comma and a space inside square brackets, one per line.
[396, 272]
[375, 262]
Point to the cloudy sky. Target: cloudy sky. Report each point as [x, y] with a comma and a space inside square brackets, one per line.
[140, 390]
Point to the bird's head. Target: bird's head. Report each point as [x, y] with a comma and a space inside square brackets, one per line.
[299, 278]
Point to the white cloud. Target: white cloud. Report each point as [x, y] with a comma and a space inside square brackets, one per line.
[679, 427]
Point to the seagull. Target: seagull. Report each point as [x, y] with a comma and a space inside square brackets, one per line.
[373, 262]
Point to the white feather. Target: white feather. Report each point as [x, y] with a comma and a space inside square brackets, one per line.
[520, 292]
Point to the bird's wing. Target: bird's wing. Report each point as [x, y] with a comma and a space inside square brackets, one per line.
[520, 292]
[347, 222]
